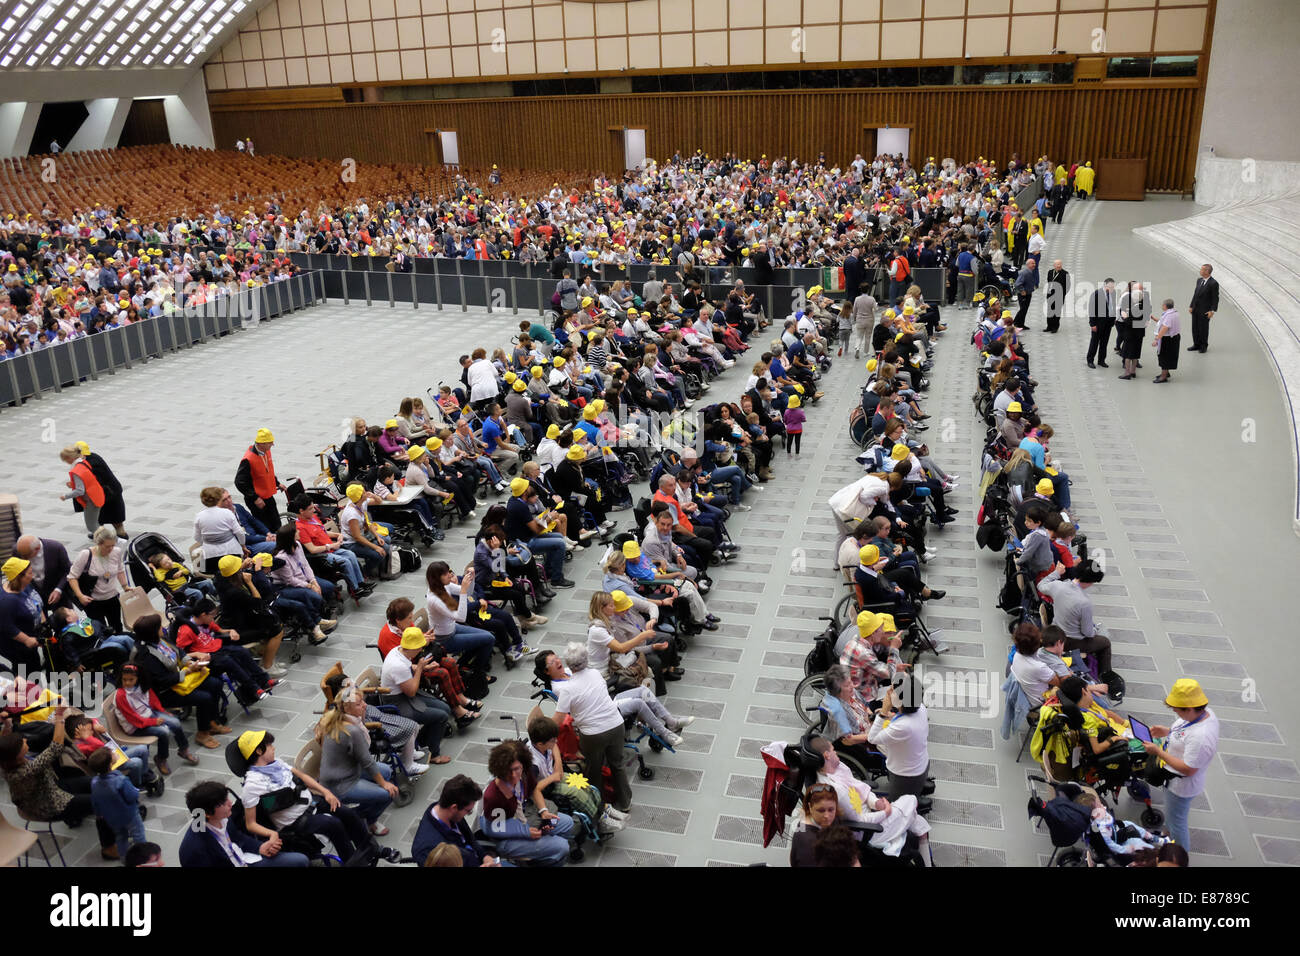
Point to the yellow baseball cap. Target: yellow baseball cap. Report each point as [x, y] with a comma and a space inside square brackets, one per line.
[871, 365]
[249, 741]
[869, 554]
[229, 565]
[434, 443]
[14, 567]
[1044, 486]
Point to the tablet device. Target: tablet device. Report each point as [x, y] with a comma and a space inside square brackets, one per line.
[1140, 730]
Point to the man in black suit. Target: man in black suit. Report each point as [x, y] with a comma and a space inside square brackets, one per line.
[1101, 319]
[1205, 302]
[1059, 196]
[1058, 284]
[854, 273]
[50, 564]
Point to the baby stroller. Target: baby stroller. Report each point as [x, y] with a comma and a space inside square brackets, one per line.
[140, 549]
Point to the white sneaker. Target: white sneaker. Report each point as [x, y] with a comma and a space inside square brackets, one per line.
[609, 823]
[953, 477]
[606, 525]
[526, 651]
[740, 507]
[472, 514]
[688, 403]
[681, 723]
[586, 533]
[514, 656]
[276, 670]
[537, 620]
[615, 813]
[415, 769]
[671, 739]
[755, 486]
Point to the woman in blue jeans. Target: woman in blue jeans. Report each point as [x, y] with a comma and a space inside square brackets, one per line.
[448, 604]
[347, 768]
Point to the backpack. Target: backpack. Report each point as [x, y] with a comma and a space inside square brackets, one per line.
[1066, 820]
[402, 559]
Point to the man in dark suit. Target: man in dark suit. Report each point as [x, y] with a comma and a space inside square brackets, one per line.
[1026, 283]
[854, 273]
[1058, 197]
[50, 564]
[1058, 284]
[1205, 302]
[210, 841]
[1101, 319]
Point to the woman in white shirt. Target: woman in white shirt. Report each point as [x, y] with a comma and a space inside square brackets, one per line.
[854, 502]
[448, 604]
[482, 378]
[103, 562]
[901, 731]
[580, 692]
[217, 529]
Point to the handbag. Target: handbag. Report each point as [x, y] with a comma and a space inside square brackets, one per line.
[629, 675]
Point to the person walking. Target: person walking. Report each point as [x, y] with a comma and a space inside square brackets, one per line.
[1205, 302]
[255, 479]
[1186, 751]
[1058, 284]
[1101, 319]
[1169, 336]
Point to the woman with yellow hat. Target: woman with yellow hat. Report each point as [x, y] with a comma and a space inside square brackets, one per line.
[246, 611]
[22, 615]
[1186, 751]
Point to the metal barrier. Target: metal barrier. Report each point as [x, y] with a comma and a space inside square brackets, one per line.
[73, 362]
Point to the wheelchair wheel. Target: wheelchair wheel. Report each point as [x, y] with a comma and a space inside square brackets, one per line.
[405, 794]
[855, 766]
[810, 663]
[808, 697]
[846, 612]
[646, 773]
[655, 745]
[1074, 857]
[1151, 817]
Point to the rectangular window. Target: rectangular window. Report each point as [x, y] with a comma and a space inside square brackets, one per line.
[1166, 66]
[1128, 68]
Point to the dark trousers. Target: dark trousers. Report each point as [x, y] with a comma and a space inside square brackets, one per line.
[606, 750]
[1122, 332]
[207, 700]
[243, 670]
[1100, 338]
[702, 543]
[1200, 331]
[342, 827]
[1025, 299]
[268, 514]
[80, 808]
[108, 612]
[1097, 646]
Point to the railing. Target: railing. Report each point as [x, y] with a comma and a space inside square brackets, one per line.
[73, 362]
[505, 286]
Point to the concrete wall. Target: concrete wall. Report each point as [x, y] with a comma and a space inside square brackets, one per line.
[1253, 83]
[188, 121]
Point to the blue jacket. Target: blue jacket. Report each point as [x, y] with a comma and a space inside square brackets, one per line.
[1016, 706]
[115, 799]
[254, 530]
[433, 831]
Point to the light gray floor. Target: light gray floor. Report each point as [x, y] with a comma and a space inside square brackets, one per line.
[1197, 573]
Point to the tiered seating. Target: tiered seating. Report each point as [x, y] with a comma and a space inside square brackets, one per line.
[160, 181]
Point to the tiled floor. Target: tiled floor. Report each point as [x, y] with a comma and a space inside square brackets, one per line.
[1198, 583]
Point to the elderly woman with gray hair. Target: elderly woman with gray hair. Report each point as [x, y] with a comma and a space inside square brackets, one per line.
[98, 576]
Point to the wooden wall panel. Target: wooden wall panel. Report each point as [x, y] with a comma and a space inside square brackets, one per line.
[570, 132]
[145, 124]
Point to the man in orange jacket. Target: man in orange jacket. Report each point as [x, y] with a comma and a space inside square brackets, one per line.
[256, 480]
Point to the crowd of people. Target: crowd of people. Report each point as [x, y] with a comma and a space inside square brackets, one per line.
[546, 435]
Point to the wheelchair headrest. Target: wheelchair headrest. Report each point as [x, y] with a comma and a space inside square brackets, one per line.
[236, 761]
[922, 492]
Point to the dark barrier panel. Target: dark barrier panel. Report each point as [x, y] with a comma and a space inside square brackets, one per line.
[25, 383]
[528, 293]
[42, 363]
[426, 289]
[303, 260]
[333, 284]
[79, 349]
[118, 347]
[498, 267]
[64, 363]
[449, 290]
[426, 266]
[400, 285]
[447, 266]
[99, 352]
[342, 263]
[356, 284]
[262, 301]
[132, 341]
[476, 291]
[150, 334]
[932, 283]
[376, 263]
[9, 393]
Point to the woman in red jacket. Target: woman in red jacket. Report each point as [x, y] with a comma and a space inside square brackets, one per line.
[142, 710]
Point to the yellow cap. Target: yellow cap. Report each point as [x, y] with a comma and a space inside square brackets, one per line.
[536, 371]
[871, 365]
[229, 565]
[1186, 692]
[978, 297]
[793, 403]
[631, 550]
[510, 378]
[264, 559]
[558, 361]
[900, 451]
[1006, 313]
[869, 555]
[586, 301]
[869, 622]
[415, 451]
[264, 436]
[14, 567]
[519, 385]
[355, 491]
[518, 486]
[621, 601]
[553, 432]
[413, 639]
[391, 423]
[1044, 486]
[1015, 407]
[249, 741]
[589, 413]
[434, 443]
[575, 453]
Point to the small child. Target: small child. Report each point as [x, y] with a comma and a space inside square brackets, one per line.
[1125, 837]
[176, 579]
[845, 327]
[794, 419]
[86, 736]
[448, 403]
[116, 801]
[145, 713]
[80, 636]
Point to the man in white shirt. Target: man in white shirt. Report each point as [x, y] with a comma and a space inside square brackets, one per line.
[1188, 751]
